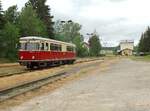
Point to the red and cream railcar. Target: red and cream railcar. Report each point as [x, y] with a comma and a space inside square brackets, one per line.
[38, 51]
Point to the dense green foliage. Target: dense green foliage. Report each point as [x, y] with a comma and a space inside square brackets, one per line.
[43, 12]
[8, 43]
[95, 45]
[2, 20]
[14, 24]
[144, 44]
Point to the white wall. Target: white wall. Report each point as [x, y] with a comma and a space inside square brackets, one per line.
[126, 45]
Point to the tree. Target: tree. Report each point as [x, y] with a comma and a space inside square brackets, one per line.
[144, 44]
[30, 24]
[0, 6]
[71, 30]
[58, 31]
[68, 30]
[1, 11]
[141, 44]
[2, 20]
[10, 38]
[2, 23]
[11, 14]
[95, 45]
[43, 12]
[148, 40]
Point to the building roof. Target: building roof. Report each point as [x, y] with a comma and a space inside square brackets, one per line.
[126, 41]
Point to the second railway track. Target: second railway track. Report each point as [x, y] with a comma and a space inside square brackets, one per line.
[22, 88]
[18, 89]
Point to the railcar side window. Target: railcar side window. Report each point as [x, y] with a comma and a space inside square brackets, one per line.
[70, 48]
[52, 47]
[42, 46]
[32, 46]
[59, 48]
[46, 48]
[37, 46]
[55, 47]
[74, 49]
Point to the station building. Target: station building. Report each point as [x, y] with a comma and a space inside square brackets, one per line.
[126, 47]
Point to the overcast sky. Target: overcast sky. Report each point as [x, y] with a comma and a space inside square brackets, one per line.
[114, 20]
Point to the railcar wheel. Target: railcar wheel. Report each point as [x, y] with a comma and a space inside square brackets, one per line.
[72, 61]
[30, 66]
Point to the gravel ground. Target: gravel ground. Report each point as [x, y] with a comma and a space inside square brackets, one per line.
[125, 86]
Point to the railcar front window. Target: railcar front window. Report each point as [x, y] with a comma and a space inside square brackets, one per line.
[29, 46]
[22, 46]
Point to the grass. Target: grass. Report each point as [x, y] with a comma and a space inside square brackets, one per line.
[4, 60]
[141, 58]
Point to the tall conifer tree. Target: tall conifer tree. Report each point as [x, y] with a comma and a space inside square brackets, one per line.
[95, 45]
[30, 24]
[144, 44]
[43, 12]
[2, 21]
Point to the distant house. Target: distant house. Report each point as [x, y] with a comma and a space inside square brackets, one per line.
[126, 47]
[86, 45]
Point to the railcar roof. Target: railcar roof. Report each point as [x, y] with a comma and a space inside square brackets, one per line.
[45, 39]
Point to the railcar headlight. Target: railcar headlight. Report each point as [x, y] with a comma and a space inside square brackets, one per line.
[33, 57]
[21, 57]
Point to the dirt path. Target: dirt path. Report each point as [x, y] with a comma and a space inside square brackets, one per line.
[125, 86]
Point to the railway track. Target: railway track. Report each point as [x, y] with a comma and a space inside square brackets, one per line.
[8, 65]
[11, 74]
[17, 64]
[28, 70]
[21, 88]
